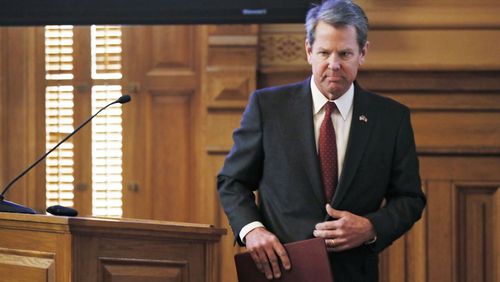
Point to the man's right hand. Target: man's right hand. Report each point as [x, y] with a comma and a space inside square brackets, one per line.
[265, 249]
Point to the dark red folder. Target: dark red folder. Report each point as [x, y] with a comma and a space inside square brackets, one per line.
[309, 264]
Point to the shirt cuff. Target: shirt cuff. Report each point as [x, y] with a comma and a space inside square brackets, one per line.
[373, 240]
[249, 227]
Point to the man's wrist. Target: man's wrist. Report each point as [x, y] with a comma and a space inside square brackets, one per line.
[373, 234]
[247, 228]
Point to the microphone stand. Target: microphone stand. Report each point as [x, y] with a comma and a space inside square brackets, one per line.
[7, 206]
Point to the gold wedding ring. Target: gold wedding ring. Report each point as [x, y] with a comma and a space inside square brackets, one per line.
[332, 242]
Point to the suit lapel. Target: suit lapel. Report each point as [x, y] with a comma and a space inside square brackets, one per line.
[361, 125]
[301, 120]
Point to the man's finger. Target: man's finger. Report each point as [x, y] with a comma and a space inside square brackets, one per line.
[337, 244]
[338, 248]
[265, 265]
[333, 212]
[283, 255]
[327, 225]
[325, 233]
[273, 260]
[257, 261]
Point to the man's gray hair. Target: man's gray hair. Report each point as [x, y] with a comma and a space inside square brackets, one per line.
[338, 13]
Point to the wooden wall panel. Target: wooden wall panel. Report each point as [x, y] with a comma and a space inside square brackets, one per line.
[392, 267]
[173, 48]
[229, 80]
[476, 218]
[3, 105]
[122, 270]
[230, 88]
[428, 14]
[27, 266]
[440, 259]
[454, 101]
[158, 125]
[458, 129]
[416, 251]
[189, 86]
[466, 167]
[431, 81]
[231, 57]
[132, 256]
[23, 106]
[170, 126]
[82, 99]
[413, 247]
[136, 196]
[220, 127]
[461, 214]
[433, 49]
[227, 249]
[38, 258]
[18, 122]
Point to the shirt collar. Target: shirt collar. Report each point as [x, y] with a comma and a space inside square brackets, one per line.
[344, 102]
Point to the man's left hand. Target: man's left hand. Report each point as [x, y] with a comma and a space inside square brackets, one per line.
[345, 231]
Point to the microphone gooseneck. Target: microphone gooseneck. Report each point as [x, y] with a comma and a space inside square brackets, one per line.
[6, 206]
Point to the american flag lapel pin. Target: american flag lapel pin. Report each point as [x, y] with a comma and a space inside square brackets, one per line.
[363, 118]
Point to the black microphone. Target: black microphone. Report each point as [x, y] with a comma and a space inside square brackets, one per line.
[7, 206]
[60, 210]
[124, 99]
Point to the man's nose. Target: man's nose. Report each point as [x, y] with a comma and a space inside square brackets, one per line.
[333, 62]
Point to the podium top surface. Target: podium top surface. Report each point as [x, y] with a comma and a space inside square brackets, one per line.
[110, 226]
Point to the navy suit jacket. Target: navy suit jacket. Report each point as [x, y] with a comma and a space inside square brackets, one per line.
[274, 152]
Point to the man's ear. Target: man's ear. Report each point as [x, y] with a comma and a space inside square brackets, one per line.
[362, 54]
[308, 51]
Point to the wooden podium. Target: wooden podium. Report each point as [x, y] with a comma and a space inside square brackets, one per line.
[47, 248]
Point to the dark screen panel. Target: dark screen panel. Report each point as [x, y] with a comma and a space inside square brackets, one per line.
[42, 12]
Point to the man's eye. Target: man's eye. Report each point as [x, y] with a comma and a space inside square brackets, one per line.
[323, 53]
[346, 54]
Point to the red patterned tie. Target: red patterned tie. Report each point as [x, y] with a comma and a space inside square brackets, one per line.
[328, 152]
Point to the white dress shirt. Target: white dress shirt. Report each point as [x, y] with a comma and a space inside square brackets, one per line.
[341, 119]
[341, 122]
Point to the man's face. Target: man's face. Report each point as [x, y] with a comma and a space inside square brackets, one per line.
[335, 58]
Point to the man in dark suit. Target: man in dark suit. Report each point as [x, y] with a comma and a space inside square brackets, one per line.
[328, 158]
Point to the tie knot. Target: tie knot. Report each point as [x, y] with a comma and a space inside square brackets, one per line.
[330, 107]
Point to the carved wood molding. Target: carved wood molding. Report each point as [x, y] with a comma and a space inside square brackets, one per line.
[398, 15]
[215, 150]
[229, 89]
[410, 81]
[404, 16]
[171, 92]
[477, 220]
[232, 40]
[145, 228]
[142, 269]
[231, 67]
[396, 47]
[421, 151]
[27, 253]
[286, 49]
[459, 152]
[431, 80]
[30, 265]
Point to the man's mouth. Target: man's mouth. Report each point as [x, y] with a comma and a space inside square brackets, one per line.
[333, 78]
